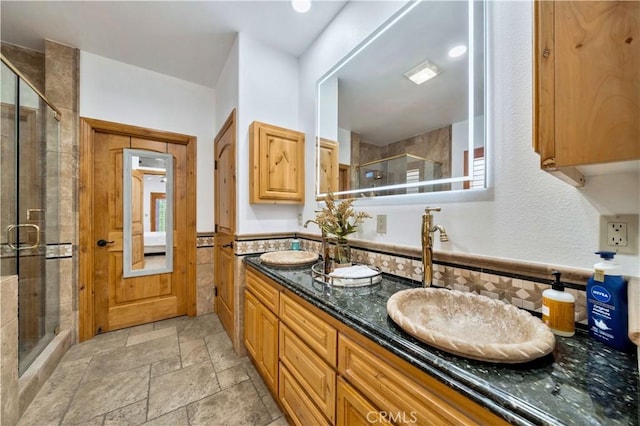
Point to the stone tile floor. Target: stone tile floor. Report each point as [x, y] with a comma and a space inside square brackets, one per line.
[180, 371]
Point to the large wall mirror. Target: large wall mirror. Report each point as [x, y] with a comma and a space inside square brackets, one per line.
[404, 113]
[148, 213]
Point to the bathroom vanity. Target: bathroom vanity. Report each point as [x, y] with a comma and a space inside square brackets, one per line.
[333, 356]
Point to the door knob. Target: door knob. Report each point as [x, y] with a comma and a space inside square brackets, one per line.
[228, 245]
[102, 243]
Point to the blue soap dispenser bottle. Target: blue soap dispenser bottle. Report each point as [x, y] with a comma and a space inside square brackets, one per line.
[607, 304]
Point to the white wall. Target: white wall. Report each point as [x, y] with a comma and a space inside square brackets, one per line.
[227, 87]
[268, 92]
[460, 143]
[119, 92]
[529, 215]
[344, 144]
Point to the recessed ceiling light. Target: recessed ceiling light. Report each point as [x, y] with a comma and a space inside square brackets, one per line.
[301, 6]
[458, 51]
[423, 72]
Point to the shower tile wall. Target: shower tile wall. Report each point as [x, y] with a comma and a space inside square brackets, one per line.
[62, 89]
[8, 350]
[29, 62]
[204, 273]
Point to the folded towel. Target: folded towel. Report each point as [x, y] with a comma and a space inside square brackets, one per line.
[633, 292]
[355, 276]
[355, 271]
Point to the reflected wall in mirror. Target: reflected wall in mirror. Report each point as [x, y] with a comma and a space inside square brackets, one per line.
[379, 132]
[148, 213]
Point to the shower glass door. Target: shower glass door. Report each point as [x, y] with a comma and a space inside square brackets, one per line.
[29, 211]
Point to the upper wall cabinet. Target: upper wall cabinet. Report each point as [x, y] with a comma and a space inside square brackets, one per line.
[587, 84]
[277, 164]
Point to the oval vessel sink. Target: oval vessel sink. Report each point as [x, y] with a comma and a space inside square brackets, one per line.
[289, 258]
[471, 325]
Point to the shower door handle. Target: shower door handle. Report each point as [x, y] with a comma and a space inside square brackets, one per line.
[16, 245]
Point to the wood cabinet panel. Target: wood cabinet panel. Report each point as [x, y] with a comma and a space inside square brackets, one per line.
[312, 373]
[316, 333]
[394, 392]
[263, 290]
[251, 315]
[261, 339]
[352, 409]
[587, 82]
[297, 403]
[277, 164]
[329, 167]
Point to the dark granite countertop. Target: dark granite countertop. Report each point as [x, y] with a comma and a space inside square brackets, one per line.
[582, 382]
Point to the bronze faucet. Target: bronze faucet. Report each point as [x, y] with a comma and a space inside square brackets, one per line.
[427, 244]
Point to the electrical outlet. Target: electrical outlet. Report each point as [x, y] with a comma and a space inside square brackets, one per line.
[299, 219]
[381, 224]
[619, 233]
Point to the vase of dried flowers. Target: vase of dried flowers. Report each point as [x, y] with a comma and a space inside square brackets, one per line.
[340, 220]
[342, 253]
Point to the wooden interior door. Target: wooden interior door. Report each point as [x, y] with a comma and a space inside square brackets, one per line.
[123, 302]
[225, 222]
[137, 224]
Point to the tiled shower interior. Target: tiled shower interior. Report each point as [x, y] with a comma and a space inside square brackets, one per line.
[30, 241]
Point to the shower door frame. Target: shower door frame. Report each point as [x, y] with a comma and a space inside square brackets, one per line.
[30, 217]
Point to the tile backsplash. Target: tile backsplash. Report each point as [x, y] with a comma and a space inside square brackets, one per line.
[518, 283]
[522, 290]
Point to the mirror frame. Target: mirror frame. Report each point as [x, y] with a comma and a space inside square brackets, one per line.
[362, 46]
[128, 271]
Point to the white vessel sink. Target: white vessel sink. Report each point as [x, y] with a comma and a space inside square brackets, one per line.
[289, 258]
[470, 325]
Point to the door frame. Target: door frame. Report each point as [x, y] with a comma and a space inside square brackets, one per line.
[86, 246]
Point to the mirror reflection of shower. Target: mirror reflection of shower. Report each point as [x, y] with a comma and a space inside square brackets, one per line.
[148, 213]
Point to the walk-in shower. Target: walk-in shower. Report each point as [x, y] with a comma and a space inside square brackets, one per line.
[29, 225]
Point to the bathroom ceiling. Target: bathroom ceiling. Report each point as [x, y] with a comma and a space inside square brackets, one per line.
[189, 40]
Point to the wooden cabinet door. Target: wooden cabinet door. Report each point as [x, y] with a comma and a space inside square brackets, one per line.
[268, 335]
[587, 82]
[277, 165]
[251, 315]
[261, 339]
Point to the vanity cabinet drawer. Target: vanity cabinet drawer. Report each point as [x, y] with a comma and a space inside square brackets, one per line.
[296, 402]
[354, 410]
[394, 392]
[315, 332]
[265, 292]
[311, 372]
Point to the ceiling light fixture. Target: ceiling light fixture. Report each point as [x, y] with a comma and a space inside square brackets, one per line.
[301, 6]
[458, 51]
[423, 72]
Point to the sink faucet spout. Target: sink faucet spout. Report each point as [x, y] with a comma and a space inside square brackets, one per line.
[428, 228]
